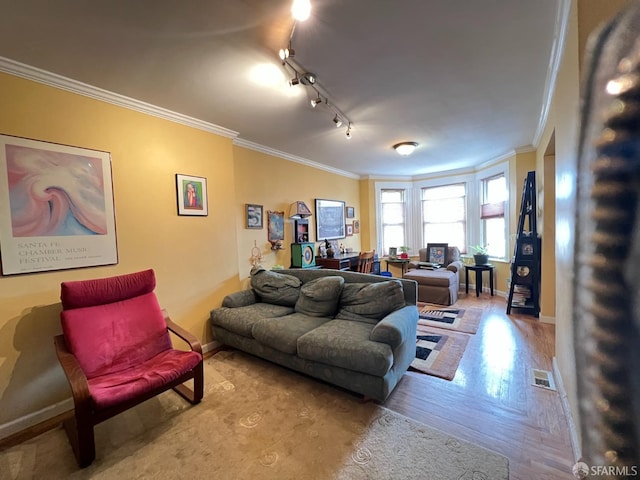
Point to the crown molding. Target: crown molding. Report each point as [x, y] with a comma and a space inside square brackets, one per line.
[58, 81]
[292, 158]
[557, 50]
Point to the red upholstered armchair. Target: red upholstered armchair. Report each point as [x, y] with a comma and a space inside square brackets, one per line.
[116, 352]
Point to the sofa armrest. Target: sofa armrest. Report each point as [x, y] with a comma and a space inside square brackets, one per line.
[455, 267]
[243, 298]
[397, 327]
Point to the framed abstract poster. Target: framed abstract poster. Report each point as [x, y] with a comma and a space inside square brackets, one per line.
[192, 195]
[56, 207]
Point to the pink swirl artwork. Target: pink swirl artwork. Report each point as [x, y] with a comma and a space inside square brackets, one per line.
[54, 193]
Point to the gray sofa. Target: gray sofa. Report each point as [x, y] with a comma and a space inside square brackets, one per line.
[352, 330]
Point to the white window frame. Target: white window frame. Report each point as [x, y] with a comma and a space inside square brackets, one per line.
[485, 174]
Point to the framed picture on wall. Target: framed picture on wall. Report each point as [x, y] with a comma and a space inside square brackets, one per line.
[349, 227]
[253, 214]
[192, 195]
[330, 219]
[351, 212]
[275, 229]
[356, 226]
[56, 207]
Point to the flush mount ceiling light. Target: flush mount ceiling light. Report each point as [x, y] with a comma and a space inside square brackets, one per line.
[301, 10]
[405, 148]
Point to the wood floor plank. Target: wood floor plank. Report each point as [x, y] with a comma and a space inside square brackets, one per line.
[491, 401]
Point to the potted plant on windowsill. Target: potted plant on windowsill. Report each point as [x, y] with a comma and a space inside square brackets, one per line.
[404, 252]
[480, 254]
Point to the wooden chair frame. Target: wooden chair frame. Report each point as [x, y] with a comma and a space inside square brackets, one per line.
[79, 428]
[365, 261]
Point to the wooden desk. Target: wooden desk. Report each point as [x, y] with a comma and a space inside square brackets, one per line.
[345, 261]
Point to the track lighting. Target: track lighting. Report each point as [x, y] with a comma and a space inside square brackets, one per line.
[405, 148]
[301, 10]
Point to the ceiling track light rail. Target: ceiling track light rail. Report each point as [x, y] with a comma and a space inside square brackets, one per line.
[309, 79]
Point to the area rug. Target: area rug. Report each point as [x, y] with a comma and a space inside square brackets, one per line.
[438, 352]
[464, 320]
[258, 421]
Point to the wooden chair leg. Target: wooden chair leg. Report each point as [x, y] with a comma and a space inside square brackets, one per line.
[193, 396]
[82, 441]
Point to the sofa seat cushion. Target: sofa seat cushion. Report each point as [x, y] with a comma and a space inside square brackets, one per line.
[282, 333]
[276, 288]
[436, 278]
[370, 302]
[346, 344]
[240, 320]
[320, 297]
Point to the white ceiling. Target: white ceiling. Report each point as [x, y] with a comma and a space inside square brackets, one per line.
[467, 79]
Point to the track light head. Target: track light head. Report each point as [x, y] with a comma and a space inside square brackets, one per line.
[348, 132]
[308, 78]
[316, 101]
[337, 121]
[285, 53]
[294, 81]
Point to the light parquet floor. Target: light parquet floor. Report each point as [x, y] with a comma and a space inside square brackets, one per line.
[491, 401]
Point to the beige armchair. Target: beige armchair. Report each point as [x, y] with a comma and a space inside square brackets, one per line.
[437, 286]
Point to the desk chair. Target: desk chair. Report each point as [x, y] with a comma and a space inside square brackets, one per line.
[365, 261]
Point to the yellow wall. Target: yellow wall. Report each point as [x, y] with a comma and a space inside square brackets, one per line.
[198, 260]
[275, 183]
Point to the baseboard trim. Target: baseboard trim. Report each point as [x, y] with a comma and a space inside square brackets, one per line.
[33, 424]
[472, 290]
[547, 319]
[32, 420]
[566, 408]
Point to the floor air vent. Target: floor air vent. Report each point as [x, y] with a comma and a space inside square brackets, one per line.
[543, 379]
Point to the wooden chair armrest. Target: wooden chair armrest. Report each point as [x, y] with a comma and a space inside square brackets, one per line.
[74, 373]
[188, 337]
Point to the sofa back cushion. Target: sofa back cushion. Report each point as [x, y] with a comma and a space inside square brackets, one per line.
[320, 297]
[370, 302]
[276, 288]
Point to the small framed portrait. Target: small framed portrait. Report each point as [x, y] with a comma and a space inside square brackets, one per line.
[356, 226]
[437, 253]
[349, 229]
[393, 252]
[192, 195]
[351, 212]
[253, 214]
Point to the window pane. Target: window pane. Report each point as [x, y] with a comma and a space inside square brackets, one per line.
[495, 190]
[444, 215]
[392, 213]
[392, 196]
[393, 219]
[446, 191]
[495, 237]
